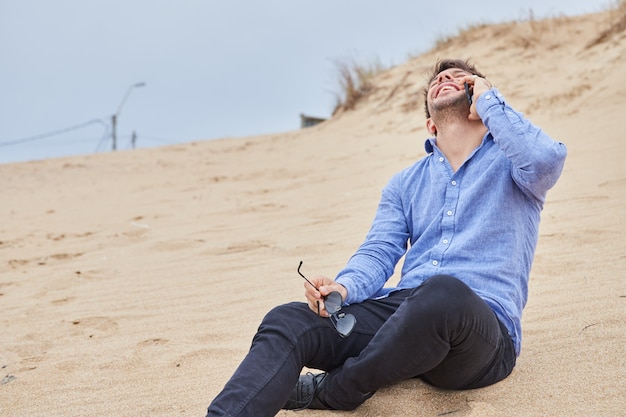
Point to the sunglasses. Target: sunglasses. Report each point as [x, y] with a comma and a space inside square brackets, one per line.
[342, 322]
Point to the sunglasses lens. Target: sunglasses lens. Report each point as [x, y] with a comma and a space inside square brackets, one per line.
[344, 323]
[333, 302]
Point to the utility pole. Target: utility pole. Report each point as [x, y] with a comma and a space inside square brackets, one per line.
[117, 114]
[114, 131]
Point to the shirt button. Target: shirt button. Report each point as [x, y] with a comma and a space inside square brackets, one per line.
[449, 212]
[445, 241]
[435, 263]
[441, 159]
[453, 183]
[488, 97]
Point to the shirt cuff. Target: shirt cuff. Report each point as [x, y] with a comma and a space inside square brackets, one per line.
[350, 287]
[488, 99]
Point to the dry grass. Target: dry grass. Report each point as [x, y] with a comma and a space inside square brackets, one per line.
[356, 79]
[355, 82]
[618, 25]
[445, 41]
[530, 31]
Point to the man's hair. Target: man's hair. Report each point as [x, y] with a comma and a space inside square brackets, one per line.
[443, 65]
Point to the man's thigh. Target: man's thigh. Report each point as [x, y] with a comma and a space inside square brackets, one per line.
[481, 350]
[333, 350]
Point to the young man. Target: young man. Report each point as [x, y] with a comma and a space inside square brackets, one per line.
[466, 216]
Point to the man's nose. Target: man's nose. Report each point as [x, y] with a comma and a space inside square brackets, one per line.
[443, 77]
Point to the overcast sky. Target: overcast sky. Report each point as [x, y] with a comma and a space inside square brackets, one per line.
[211, 68]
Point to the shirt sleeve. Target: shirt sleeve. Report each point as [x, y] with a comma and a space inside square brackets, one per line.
[537, 160]
[374, 262]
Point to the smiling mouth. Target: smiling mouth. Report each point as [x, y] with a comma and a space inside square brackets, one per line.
[445, 87]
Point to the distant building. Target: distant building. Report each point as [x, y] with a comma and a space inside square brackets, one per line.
[308, 121]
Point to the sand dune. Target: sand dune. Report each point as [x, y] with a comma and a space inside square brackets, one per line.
[131, 283]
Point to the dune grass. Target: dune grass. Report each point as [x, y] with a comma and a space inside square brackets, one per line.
[355, 82]
[355, 79]
[618, 25]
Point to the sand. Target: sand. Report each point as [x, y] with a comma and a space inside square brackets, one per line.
[131, 283]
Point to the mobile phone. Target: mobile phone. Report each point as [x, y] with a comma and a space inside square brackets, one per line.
[468, 92]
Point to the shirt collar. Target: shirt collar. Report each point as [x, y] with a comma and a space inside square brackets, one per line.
[429, 145]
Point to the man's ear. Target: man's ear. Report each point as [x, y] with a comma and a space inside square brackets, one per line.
[430, 125]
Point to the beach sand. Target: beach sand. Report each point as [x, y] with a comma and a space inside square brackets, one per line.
[131, 283]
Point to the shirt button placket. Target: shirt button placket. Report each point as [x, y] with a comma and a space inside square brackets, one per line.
[447, 224]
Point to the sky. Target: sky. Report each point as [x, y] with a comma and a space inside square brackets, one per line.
[175, 71]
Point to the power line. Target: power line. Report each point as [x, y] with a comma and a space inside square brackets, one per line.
[56, 132]
[105, 136]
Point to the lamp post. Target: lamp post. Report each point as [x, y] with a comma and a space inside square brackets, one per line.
[119, 110]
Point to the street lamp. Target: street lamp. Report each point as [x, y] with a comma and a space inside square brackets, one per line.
[119, 110]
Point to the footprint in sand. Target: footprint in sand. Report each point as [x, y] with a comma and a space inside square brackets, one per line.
[98, 326]
[153, 342]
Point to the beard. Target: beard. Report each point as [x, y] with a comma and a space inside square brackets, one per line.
[449, 109]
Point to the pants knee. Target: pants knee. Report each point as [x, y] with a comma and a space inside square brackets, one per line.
[445, 282]
[286, 318]
[440, 296]
[445, 289]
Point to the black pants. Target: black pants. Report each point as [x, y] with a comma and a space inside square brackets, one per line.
[441, 332]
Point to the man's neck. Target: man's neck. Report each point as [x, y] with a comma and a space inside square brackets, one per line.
[458, 140]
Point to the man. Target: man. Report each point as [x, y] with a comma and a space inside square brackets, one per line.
[466, 216]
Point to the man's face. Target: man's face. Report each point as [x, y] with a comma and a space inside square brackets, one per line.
[447, 89]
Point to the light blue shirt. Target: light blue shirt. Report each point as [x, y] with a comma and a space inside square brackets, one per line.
[479, 224]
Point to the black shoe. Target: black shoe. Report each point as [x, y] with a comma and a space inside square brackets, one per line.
[307, 393]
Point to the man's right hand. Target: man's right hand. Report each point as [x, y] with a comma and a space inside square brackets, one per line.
[479, 86]
[315, 297]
